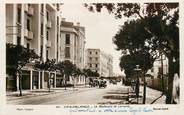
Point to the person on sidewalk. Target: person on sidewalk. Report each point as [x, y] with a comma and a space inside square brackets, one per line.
[176, 89]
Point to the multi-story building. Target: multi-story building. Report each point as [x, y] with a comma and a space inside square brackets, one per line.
[99, 62]
[72, 45]
[35, 26]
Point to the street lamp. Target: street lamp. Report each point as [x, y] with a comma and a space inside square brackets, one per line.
[137, 83]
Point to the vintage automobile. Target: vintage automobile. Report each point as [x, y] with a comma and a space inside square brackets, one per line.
[94, 83]
[102, 83]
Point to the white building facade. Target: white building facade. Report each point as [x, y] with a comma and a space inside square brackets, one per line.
[73, 45]
[40, 27]
[99, 62]
[34, 26]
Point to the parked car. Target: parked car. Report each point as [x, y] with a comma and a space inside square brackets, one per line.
[102, 83]
[94, 83]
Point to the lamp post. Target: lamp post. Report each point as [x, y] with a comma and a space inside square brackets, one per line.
[137, 83]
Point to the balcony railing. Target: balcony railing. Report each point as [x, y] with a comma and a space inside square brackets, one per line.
[13, 30]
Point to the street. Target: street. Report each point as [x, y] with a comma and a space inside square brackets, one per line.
[112, 94]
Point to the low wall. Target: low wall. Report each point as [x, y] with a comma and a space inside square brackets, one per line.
[156, 83]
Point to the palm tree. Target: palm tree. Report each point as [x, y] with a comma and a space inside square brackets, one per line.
[76, 74]
[84, 73]
[66, 68]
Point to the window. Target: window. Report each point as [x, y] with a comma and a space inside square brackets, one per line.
[96, 52]
[28, 46]
[19, 15]
[47, 35]
[96, 65]
[67, 52]
[18, 40]
[90, 65]
[96, 59]
[28, 25]
[90, 52]
[57, 55]
[57, 20]
[47, 54]
[90, 58]
[47, 15]
[41, 29]
[41, 51]
[67, 39]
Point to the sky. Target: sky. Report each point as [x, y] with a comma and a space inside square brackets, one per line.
[100, 29]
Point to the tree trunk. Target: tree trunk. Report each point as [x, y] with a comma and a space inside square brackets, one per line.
[20, 84]
[73, 81]
[49, 82]
[65, 81]
[144, 90]
[170, 81]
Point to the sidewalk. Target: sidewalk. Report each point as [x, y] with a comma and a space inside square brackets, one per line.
[40, 92]
[152, 96]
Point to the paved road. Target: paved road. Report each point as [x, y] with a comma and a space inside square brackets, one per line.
[76, 96]
[113, 94]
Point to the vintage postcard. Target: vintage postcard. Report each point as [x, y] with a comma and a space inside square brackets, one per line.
[91, 57]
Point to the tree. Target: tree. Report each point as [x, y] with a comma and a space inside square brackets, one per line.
[76, 73]
[48, 65]
[60, 67]
[84, 73]
[141, 58]
[160, 25]
[66, 67]
[16, 58]
[89, 73]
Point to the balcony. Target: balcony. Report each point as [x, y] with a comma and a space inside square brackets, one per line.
[26, 7]
[30, 35]
[66, 29]
[49, 24]
[13, 30]
[48, 44]
[26, 33]
[30, 11]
